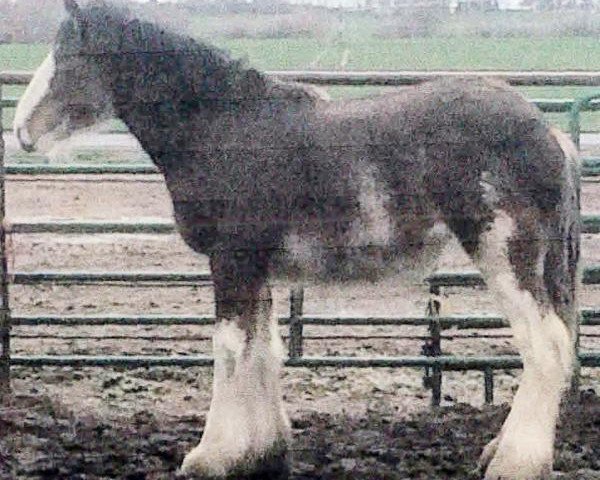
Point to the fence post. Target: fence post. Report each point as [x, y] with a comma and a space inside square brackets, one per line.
[296, 346]
[5, 319]
[579, 105]
[433, 347]
[576, 379]
[488, 380]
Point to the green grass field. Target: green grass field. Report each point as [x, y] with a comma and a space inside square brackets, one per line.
[363, 51]
[384, 54]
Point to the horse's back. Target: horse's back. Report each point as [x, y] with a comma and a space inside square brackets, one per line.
[352, 189]
[384, 169]
[442, 141]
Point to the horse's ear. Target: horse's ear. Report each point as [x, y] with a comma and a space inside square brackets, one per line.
[72, 8]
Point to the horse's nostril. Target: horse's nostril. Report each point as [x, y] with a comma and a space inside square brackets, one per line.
[24, 140]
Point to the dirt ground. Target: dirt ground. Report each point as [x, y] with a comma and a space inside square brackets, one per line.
[44, 441]
[94, 423]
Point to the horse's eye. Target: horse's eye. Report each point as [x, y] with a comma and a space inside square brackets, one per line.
[81, 113]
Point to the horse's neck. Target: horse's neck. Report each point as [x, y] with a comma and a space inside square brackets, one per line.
[171, 104]
[165, 134]
[169, 112]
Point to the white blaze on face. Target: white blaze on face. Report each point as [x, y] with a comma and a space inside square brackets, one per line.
[374, 227]
[27, 122]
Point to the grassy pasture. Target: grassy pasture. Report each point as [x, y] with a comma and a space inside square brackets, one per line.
[355, 47]
[371, 53]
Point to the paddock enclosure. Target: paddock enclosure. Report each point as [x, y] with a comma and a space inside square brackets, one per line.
[105, 310]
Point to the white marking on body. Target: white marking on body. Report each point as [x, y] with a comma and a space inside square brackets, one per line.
[317, 92]
[374, 226]
[246, 420]
[524, 447]
[304, 251]
[35, 93]
[413, 268]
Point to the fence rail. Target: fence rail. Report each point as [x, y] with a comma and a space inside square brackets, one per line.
[400, 77]
[589, 317]
[155, 227]
[590, 168]
[445, 362]
[94, 278]
[591, 276]
[407, 78]
[433, 361]
[74, 169]
[591, 224]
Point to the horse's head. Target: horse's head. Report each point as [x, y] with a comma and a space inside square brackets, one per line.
[68, 92]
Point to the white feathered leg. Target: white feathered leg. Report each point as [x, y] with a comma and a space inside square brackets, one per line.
[247, 430]
[524, 448]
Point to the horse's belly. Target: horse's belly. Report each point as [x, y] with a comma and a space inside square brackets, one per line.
[376, 234]
[316, 259]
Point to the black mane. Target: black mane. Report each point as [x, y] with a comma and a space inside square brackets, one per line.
[170, 81]
[167, 66]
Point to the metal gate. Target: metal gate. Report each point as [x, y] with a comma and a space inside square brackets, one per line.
[432, 360]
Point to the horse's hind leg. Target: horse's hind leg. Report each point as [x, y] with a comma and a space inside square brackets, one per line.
[529, 266]
[247, 431]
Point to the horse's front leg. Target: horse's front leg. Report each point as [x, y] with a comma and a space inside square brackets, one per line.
[247, 431]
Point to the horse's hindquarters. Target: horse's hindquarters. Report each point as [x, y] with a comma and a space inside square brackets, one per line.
[529, 260]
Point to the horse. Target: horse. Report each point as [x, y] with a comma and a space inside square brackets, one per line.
[273, 182]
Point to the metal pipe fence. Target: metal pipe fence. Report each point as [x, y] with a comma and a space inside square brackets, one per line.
[445, 362]
[591, 276]
[589, 318]
[400, 78]
[590, 168]
[591, 224]
[433, 361]
[5, 323]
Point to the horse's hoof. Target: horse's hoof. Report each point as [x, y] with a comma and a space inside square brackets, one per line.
[501, 463]
[486, 456]
[543, 474]
[273, 465]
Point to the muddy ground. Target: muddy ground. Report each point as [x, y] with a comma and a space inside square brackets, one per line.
[44, 441]
[92, 423]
